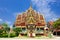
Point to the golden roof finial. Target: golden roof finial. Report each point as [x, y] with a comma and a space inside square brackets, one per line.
[30, 6]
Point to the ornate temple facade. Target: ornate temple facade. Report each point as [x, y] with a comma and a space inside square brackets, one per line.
[31, 22]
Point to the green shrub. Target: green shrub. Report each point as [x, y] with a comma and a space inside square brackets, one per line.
[12, 35]
[17, 30]
[5, 35]
[0, 35]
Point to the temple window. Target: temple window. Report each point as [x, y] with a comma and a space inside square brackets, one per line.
[23, 28]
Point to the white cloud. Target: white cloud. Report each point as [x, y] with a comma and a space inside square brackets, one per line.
[8, 22]
[43, 7]
[1, 20]
[4, 10]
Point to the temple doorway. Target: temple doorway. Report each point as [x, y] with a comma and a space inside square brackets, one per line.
[31, 30]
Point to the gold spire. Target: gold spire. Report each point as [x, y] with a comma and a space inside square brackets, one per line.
[30, 7]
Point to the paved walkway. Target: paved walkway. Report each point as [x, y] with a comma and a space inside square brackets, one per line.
[29, 38]
[55, 38]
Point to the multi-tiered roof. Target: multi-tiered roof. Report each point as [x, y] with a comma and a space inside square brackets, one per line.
[30, 17]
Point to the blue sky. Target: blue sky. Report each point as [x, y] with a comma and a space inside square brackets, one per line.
[10, 8]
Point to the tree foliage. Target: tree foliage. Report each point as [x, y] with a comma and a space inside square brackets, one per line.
[12, 34]
[5, 31]
[17, 30]
[56, 24]
[4, 25]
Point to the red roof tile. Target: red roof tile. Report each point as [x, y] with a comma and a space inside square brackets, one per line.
[40, 24]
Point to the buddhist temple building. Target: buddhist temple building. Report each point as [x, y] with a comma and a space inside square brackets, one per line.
[31, 22]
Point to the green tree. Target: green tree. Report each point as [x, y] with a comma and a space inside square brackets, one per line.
[6, 28]
[56, 24]
[5, 25]
[17, 30]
